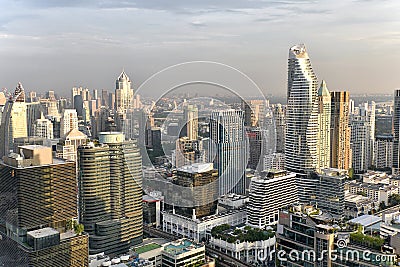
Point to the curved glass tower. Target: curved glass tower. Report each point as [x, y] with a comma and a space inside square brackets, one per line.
[302, 113]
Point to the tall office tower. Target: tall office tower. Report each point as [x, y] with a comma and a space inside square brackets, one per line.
[228, 144]
[352, 108]
[79, 105]
[383, 152]
[43, 128]
[13, 121]
[324, 122]
[67, 147]
[154, 138]
[188, 152]
[110, 193]
[123, 93]
[100, 121]
[330, 191]
[396, 133]
[268, 130]
[111, 101]
[130, 124]
[49, 107]
[69, 121]
[255, 137]
[105, 98]
[31, 97]
[136, 102]
[360, 143]
[34, 111]
[39, 201]
[50, 95]
[301, 113]
[340, 131]
[62, 104]
[74, 92]
[269, 192]
[95, 94]
[201, 195]
[280, 123]
[253, 112]
[86, 94]
[190, 122]
[136, 129]
[56, 126]
[367, 110]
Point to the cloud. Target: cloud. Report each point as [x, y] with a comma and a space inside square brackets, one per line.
[198, 23]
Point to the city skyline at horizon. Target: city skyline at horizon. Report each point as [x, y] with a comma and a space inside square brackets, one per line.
[58, 45]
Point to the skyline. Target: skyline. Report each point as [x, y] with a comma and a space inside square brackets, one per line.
[50, 45]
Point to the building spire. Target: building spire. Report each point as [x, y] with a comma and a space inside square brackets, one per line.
[19, 93]
[323, 89]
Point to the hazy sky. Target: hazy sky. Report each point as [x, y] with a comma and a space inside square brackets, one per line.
[50, 44]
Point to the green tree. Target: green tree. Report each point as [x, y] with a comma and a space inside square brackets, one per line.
[394, 200]
[79, 228]
[351, 173]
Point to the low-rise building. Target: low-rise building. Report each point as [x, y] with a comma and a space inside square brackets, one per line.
[184, 252]
[356, 205]
[304, 238]
[243, 243]
[200, 229]
[377, 192]
[233, 201]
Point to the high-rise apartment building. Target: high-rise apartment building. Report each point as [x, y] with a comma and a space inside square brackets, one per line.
[383, 152]
[39, 203]
[110, 193]
[229, 147]
[360, 143]
[69, 121]
[13, 121]
[324, 122]
[396, 132]
[43, 128]
[123, 93]
[190, 122]
[279, 113]
[302, 113]
[270, 191]
[340, 131]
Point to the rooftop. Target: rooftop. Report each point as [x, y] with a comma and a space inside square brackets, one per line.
[197, 168]
[180, 246]
[147, 248]
[43, 232]
[34, 147]
[366, 220]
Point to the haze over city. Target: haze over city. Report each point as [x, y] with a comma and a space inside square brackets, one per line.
[60, 44]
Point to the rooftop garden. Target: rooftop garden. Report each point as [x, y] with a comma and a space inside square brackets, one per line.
[146, 248]
[362, 239]
[248, 234]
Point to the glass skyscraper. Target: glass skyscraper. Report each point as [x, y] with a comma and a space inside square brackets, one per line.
[229, 147]
[302, 113]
